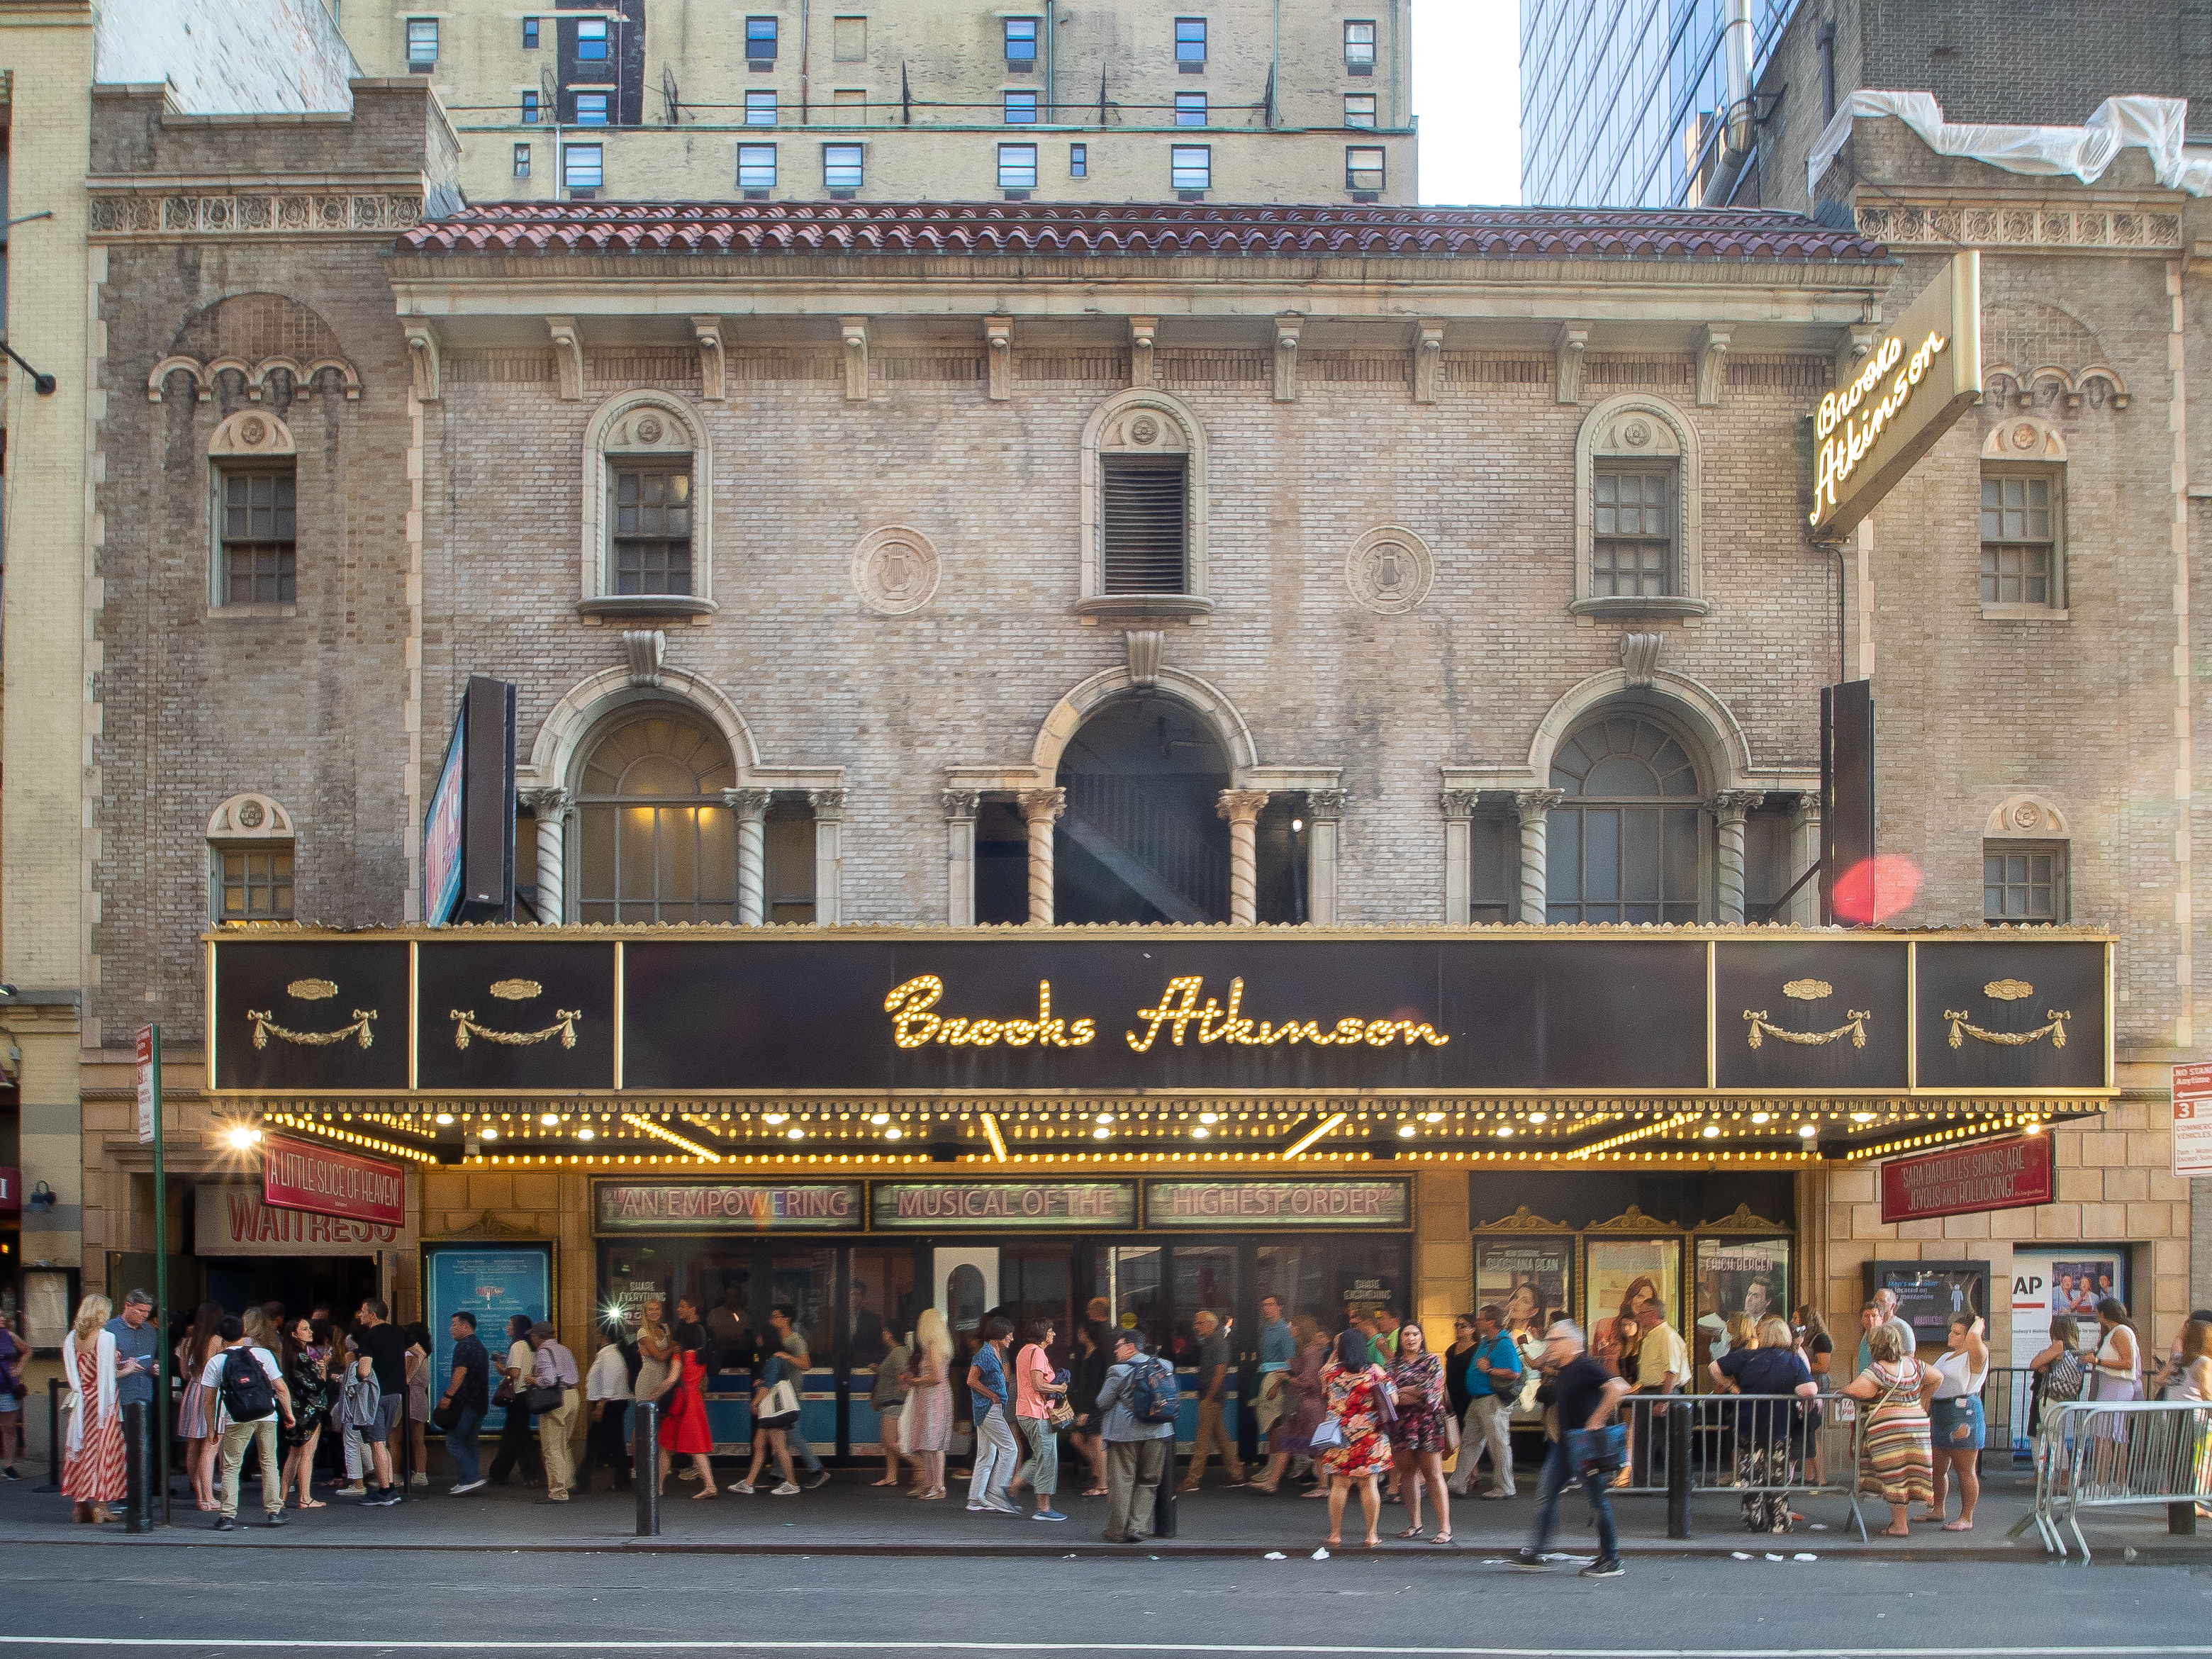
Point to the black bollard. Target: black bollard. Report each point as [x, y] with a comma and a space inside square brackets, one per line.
[1164, 1503]
[53, 1482]
[137, 1468]
[1678, 1469]
[646, 1468]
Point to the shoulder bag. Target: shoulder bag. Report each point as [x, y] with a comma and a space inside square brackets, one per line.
[545, 1398]
[1386, 1403]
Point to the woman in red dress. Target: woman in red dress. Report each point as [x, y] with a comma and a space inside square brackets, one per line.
[683, 1429]
[92, 1474]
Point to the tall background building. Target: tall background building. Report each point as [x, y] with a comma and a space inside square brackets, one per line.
[1244, 100]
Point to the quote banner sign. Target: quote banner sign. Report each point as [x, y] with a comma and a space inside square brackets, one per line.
[323, 1180]
[2004, 1175]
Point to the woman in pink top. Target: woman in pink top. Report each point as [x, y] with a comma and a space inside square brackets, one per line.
[1037, 1390]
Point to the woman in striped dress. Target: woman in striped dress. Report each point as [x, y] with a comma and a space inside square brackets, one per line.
[92, 1473]
[1896, 1460]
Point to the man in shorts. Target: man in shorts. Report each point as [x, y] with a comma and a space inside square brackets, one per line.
[383, 1355]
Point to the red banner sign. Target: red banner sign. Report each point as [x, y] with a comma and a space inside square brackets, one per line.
[11, 1191]
[2003, 1175]
[307, 1175]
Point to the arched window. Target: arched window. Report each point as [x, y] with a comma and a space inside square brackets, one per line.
[1142, 839]
[648, 536]
[655, 840]
[1627, 842]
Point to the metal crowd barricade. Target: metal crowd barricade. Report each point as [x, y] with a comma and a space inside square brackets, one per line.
[1751, 1445]
[2008, 1399]
[2090, 1456]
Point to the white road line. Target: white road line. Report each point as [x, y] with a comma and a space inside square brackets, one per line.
[870, 1645]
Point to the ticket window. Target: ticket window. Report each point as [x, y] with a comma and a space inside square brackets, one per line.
[881, 1305]
[807, 1281]
[719, 1282]
[1038, 1282]
[1299, 1276]
[1137, 1289]
[1205, 1278]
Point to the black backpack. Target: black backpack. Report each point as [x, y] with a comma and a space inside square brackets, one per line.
[247, 1394]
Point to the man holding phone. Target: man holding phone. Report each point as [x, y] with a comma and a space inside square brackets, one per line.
[137, 1349]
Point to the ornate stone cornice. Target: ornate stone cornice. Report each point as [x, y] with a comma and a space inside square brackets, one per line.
[155, 215]
[2113, 228]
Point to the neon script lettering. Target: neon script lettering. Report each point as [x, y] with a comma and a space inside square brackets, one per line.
[1218, 1025]
[1841, 451]
[913, 1024]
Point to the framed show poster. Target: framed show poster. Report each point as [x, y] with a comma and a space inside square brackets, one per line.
[492, 1278]
[1528, 1276]
[1748, 1276]
[1628, 1274]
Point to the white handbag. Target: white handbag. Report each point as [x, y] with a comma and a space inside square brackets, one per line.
[780, 1401]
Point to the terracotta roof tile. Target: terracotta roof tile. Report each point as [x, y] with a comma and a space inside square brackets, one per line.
[1153, 230]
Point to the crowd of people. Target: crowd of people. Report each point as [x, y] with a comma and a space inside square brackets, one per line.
[1367, 1412]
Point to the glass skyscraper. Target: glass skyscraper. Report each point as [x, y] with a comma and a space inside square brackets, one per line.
[1623, 101]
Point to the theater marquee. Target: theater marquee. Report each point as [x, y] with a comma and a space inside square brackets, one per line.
[776, 1011]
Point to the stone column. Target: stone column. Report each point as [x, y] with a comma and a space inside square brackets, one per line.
[1804, 852]
[751, 806]
[829, 807]
[1459, 855]
[960, 856]
[553, 807]
[1242, 808]
[1729, 808]
[1532, 806]
[1041, 810]
[1324, 809]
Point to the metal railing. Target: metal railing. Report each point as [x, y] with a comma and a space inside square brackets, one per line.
[2093, 1456]
[1760, 1447]
[1154, 834]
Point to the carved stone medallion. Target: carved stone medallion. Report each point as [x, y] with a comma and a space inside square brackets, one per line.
[895, 570]
[1389, 570]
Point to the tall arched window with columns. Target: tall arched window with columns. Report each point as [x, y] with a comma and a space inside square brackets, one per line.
[1626, 841]
[654, 839]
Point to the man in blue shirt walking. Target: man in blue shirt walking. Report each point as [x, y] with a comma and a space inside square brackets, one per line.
[1493, 1382]
[997, 1457]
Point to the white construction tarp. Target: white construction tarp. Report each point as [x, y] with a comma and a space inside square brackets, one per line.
[2156, 125]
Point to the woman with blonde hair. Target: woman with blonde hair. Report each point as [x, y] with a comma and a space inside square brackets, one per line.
[92, 1473]
[928, 1414]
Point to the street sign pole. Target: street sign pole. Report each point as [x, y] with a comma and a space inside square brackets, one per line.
[150, 1128]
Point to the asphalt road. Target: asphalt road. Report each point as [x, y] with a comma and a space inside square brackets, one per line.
[61, 1598]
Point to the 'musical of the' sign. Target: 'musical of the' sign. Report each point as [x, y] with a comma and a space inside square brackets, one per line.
[777, 1011]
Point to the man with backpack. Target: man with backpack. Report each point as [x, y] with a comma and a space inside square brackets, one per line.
[248, 1386]
[1138, 1399]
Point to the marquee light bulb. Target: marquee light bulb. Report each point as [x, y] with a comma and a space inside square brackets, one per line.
[1200, 1133]
[241, 1137]
[1106, 1119]
[1862, 1117]
[548, 1119]
[775, 1117]
[880, 1119]
[1405, 1128]
[490, 1133]
[1538, 1117]
[1204, 1117]
[1759, 1117]
[794, 1134]
[1101, 1133]
[445, 1117]
[1432, 1117]
[586, 1134]
[1504, 1128]
[1805, 1131]
[1712, 1132]
[894, 1133]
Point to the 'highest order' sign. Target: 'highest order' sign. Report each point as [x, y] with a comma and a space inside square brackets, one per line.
[307, 1175]
[1894, 403]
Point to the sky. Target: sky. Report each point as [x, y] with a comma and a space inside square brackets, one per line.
[1466, 93]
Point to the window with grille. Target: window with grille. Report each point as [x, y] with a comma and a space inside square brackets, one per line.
[2019, 539]
[1020, 109]
[258, 548]
[591, 109]
[760, 109]
[840, 167]
[654, 841]
[1627, 844]
[253, 884]
[1191, 167]
[756, 167]
[1359, 109]
[1632, 525]
[1021, 41]
[1144, 523]
[1079, 160]
[421, 44]
[652, 529]
[1190, 41]
[1017, 166]
[1360, 47]
[592, 40]
[1362, 169]
[522, 161]
[581, 167]
[530, 109]
[530, 34]
[1190, 109]
[759, 40]
[2023, 881]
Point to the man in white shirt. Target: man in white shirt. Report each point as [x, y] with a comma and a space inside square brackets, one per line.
[260, 1429]
[607, 1386]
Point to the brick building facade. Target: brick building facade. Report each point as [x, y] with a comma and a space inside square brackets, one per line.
[1412, 605]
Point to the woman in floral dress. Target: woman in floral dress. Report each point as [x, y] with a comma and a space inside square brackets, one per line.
[308, 1374]
[1423, 1435]
[1353, 1385]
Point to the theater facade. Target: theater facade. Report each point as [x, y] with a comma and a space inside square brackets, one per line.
[1107, 760]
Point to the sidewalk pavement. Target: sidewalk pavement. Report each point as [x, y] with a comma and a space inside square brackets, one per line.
[849, 1516]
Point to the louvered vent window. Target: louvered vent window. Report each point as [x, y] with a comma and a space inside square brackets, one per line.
[1144, 523]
